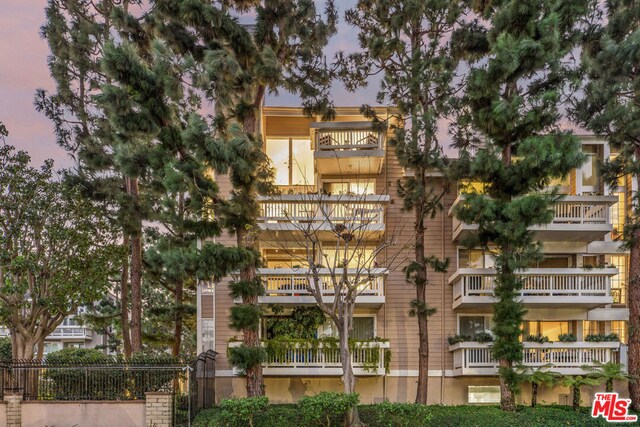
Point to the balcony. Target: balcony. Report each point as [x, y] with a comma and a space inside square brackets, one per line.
[347, 148]
[576, 219]
[304, 359]
[318, 213]
[71, 333]
[567, 358]
[290, 286]
[548, 287]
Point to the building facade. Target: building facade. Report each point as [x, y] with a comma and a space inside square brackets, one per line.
[70, 334]
[575, 296]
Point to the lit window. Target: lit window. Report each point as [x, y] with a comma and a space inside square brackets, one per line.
[292, 159]
[620, 280]
[475, 258]
[619, 327]
[356, 186]
[590, 168]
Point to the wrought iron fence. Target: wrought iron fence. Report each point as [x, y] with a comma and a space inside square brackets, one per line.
[73, 380]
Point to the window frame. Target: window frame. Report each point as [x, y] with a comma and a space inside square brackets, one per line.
[290, 159]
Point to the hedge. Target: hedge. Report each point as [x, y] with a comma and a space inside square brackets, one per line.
[408, 414]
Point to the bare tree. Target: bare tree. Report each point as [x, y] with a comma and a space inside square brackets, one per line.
[343, 238]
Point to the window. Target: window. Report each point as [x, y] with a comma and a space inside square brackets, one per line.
[363, 328]
[554, 262]
[361, 258]
[475, 258]
[471, 187]
[472, 325]
[359, 187]
[50, 347]
[74, 345]
[620, 280]
[292, 159]
[208, 334]
[619, 327]
[484, 394]
[592, 327]
[589, 170]
[551, 330]
[563, 184]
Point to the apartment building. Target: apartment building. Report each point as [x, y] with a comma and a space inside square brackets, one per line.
[70, 334]
[575, 296]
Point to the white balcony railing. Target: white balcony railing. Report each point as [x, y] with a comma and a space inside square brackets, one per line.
[586, 217]
[296, 281]
[63, 332]
[348, 139]
[540, 285]
[304, 359]
[472, 358]
[302, 210]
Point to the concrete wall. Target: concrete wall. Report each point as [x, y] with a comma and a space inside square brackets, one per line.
[83, 413]
[442, 390]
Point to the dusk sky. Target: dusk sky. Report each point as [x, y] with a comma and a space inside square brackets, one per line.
[23, 69]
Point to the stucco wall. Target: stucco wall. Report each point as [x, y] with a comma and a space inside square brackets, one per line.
[80, 413]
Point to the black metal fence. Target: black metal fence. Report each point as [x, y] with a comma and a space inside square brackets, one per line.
[38, 380]
[107, 380]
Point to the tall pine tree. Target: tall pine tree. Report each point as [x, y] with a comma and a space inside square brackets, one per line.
[240, 63]
[611, 108]
[77, 33]
[409, 42]
[512, 98]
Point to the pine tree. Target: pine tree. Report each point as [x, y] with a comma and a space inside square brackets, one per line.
[239, 65]
[518, 51]
[409, 42]
[77, 33]
[611, 108]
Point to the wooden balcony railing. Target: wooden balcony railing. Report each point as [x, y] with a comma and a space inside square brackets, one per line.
[472, 358]
[323, 210]
[367, 358]
[295, 281]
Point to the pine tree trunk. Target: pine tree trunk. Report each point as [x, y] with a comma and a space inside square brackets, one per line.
[633, 293]
[507, 398]
[423, 320]
[250, 338]
[124, 301]
[177, 332]
[534, 395]
[136, 275]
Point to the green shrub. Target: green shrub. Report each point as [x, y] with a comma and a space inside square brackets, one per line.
[389, 414]
[5, 349]
[241, 411]
[455, 339]
[324, 407]
[602, 338]
[541, 339]
[379, 415]
[483, 337]
[567, 338]
[112, 379]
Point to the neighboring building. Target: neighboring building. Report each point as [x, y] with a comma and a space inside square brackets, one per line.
[579, 288]
[69, 334]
